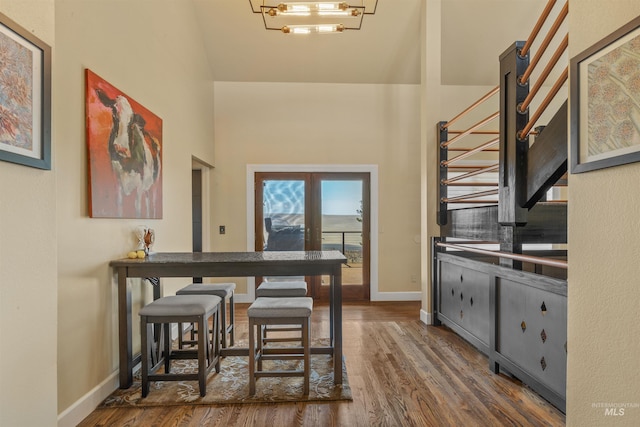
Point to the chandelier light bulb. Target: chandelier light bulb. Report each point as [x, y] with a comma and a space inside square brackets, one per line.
[311, 29]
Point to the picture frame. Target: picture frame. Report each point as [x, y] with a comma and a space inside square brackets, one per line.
[605, 101]
[25, 97]
[124, 147]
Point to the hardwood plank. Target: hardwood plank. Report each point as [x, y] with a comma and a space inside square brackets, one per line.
[401, 372]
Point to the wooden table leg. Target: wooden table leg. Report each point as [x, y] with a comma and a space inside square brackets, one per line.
[336, 304]
[124, 329]
[157, 294]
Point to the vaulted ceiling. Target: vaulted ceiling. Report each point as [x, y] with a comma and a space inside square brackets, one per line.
[386, 50]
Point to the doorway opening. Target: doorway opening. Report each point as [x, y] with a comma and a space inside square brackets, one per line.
[318, 211]
[200, 215]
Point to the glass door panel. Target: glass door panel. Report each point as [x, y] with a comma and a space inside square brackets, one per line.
[341, 202]
[284, 215]
[342, 223]
[281, 209]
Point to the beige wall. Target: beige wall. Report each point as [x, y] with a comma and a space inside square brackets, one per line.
[320, 124]
[430, 65]
[28, 280]
[54, 277]
[604, 231]
[440, 103]
[153, 52]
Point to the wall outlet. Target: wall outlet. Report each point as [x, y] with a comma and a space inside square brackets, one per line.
[223, 229]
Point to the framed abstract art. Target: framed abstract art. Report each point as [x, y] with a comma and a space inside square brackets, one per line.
[605, 102]
[25, 97]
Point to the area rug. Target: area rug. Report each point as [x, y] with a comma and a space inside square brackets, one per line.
[231, 385]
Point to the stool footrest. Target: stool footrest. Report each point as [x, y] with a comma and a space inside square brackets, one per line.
[273, 328]
[293, 356]
[184, 354]
[292, 339]
[173, 377]
[281, 351]
[279, 374]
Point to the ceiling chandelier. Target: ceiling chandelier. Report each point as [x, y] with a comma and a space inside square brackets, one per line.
[306, 17]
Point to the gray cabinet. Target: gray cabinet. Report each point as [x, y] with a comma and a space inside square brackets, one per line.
[517, 318]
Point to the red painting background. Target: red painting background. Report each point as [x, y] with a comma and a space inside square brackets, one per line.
[103, 182]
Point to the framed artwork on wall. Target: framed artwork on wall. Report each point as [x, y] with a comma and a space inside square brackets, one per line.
[605, 102]
[25, 97]
[124, 145]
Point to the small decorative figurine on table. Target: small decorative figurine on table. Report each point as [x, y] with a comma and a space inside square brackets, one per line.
[149, 238]
[140, 232]
[146, 236]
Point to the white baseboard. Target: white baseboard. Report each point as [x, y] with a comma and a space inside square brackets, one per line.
[396, 296]
[243, 298]
[77, 412]
[425, 317]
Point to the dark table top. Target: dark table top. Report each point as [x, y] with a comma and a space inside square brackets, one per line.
[253, 258]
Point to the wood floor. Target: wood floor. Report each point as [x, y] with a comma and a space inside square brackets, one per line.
[401, 372]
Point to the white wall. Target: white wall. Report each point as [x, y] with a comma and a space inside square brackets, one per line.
[28, 280]
[322, 124]
[151, 50]
[604, 236]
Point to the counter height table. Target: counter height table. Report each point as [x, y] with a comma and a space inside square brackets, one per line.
[229, 264]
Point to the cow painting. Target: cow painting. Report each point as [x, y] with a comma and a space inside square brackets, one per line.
[125, 158]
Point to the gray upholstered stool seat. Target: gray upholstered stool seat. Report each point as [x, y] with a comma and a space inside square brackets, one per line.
[224, 291]
[281, 307]
[279, 311]
[282, 289]
[179, 309]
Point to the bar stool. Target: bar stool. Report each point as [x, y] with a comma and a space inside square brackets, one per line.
[280, 289]
[279, 311]
[223, 290]
[179, 309]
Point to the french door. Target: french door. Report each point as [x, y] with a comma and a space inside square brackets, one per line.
[297, 211]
